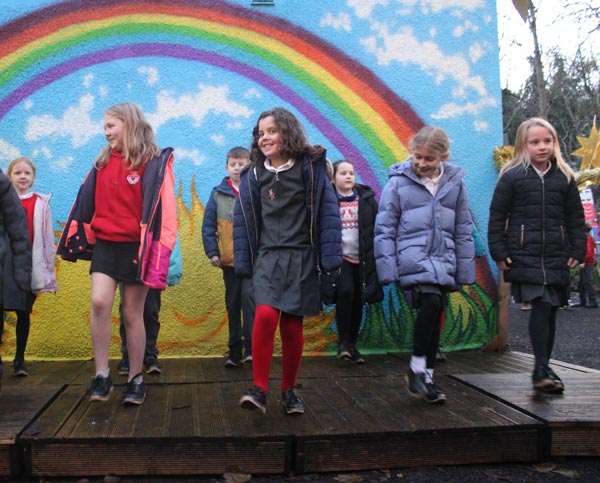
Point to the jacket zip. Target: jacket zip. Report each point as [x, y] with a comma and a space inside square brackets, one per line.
[543, 228]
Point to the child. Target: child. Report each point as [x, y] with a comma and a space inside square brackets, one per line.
[424, 242]
[357, 283]
[536, 233]
[217, 236]
[21, 173]
[286, 222]
[587, 291]
[124, 220]
[13, 223]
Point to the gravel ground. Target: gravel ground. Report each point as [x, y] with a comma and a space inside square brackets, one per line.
[578, 333]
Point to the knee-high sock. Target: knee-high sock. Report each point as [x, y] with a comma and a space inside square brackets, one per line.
[23, 323]
[292, 343]
[266, 319]
[540, 331]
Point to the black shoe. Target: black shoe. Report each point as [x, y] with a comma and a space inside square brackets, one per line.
[232, 361]
[343, 351]
[292, 404]
[542, 380]
[100, 388]
[355, 356]
[123, 366]
[247, 359]
[135, 393]
[415, 384]
[254, 398]
[591, 306]
[20, 368]
[434, 394]
[151, 364]
[559, 385]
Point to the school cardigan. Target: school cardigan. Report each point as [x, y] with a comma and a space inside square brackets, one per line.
[322, 215]
[158, 224]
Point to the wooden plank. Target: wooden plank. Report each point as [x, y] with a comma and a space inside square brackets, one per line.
[46, 372]
[158, 457]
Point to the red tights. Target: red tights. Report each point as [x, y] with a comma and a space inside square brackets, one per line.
[266, 319]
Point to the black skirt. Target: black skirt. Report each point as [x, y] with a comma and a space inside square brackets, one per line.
[555, 295]
[118, 260]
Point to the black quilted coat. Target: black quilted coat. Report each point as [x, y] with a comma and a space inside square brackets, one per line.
[538, 223]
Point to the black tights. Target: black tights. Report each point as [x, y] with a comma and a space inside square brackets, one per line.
[427, 327]
[542, 329]
[23, 323]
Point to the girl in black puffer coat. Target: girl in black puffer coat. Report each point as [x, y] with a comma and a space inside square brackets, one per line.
[536, 234]
[358, 283]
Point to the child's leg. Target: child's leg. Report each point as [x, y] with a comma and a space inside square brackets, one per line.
[233, 304]
[427, 329]
[152, 321]
[551, 331]
[343, 309]
[134, 298]
[1, 323]
[263, 342]
[248, 310]
[539, 331]
[292, 344]
[103, 296]
[23, 324]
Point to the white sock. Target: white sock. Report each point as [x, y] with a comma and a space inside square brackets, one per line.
[138, 379]
[103, 373]
[429, 375]
[418, 364]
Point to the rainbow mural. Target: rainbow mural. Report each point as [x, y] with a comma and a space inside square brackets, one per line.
[51, 43]
[343, 100]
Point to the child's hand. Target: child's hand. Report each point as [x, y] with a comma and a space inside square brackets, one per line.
[572, 263]
[216, 262]
[504, 264]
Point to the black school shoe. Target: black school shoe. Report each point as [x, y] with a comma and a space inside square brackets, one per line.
[254, 398]
[544, 379]
[152, 366]
[434, 394]
[355, 356]
[232, 361]
[292, 404]
[135, 393]
[20, 368]
[123, 366]
[343, 351]
[415, 384]
[100, 389]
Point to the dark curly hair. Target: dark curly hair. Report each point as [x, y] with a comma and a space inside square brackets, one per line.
[293, 136]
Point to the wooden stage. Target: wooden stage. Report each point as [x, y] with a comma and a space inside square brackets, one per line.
[357, 418]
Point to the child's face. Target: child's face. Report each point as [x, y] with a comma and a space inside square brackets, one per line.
[540, 146]
[22, 177]
[344, 178]
[427, 163]
[114, 131]
[234, 167]
[269, 139]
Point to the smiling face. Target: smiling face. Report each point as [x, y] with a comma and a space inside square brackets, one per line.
[114, 131]
[540, 146]
[426, 162]
[344, 178]
[269, 141]
[22, 176]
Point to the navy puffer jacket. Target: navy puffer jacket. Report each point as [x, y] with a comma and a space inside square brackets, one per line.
[538, 223]
[322, 216]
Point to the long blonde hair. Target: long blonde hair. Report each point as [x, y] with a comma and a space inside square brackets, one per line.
[521, 156]
[138, 137]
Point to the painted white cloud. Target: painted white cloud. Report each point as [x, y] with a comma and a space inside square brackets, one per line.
[235, 125]
[62, 164]
[364, 8]
[150, 73]
[467, 26]
[218, 139]
[44, 152]
[340, 22]
[453, 109]
[481, 126]
[8, 151]
[403, 47]
[28, 104]
[75, 124]
[252, 93]
[87, 80]
[437, 6]
[476, 51]
[193, 155]
[197, 105]
[103, 91]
